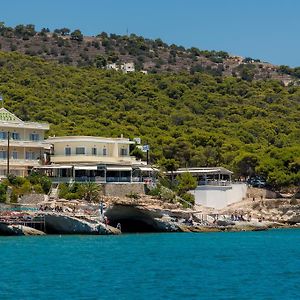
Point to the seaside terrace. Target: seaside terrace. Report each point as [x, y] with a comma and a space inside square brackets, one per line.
[214, 176]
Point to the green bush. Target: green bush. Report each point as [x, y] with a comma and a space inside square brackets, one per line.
[70, 196]
[167, 194]
[3, 190]
[188, 198]
[186, 181]
[133, 195]
[154, 192]
[38, 188]
[42, 180]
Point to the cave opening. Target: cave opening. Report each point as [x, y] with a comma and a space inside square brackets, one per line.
[132, 219]
[133, 225]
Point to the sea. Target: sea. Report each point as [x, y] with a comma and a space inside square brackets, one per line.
[223, 265]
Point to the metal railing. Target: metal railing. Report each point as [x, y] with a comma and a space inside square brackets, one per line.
[215, 182]
[118, 179]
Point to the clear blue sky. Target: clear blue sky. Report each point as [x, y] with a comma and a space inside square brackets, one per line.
[264, 29]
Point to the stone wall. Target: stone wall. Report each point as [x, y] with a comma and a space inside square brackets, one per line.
[123, 189]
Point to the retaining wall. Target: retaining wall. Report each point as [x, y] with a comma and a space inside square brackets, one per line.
[123, 189]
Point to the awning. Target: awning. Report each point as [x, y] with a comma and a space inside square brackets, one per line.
[118, 168]
[53, 167]
[146, 169]
[85, 168]
[204, 171]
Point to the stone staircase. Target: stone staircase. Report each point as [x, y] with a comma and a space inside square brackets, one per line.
[53, 194]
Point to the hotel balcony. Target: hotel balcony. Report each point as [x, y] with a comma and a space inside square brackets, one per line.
[19, 162]
[21, 143]
[94, 159]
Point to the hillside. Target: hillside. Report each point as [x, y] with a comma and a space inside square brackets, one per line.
[196, 119]
[153, 56]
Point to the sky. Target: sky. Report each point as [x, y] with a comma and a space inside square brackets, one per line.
[261, 29]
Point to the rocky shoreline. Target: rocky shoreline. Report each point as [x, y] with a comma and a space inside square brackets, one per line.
[148, 214]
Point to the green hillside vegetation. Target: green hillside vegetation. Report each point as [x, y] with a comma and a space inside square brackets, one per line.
[71, 47]
[196, 119]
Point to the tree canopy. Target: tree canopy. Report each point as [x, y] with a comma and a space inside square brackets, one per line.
[251, 127]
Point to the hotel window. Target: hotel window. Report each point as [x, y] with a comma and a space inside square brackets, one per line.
[80, 150]
[68, 151]
[3, 154]
[29, 155]
[15, 135]
[94, 151]
[123, 152]
[34, 137]
[3, 135]
[14, 155]
[104, 151]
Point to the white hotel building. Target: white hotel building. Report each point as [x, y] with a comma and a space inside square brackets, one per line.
[91, 158]
[69, 158]
[22, 144]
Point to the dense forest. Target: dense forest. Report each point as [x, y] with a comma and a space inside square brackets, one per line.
[187, 119]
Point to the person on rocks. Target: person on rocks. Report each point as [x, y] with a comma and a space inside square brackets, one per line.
[101, 208]
[190, 220]
[119, 226]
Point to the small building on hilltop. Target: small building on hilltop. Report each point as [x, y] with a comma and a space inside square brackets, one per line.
[22, 144]
[126, 67]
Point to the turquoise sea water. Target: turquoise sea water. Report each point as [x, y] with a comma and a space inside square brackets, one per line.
[244, 265]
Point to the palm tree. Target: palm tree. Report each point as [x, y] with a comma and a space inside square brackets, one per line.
[91, 191]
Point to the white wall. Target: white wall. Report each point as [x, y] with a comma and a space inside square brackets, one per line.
[219, 196]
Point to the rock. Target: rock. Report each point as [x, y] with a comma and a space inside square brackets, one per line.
[187, 228]
[62, 224]
[107, 230]
[18, 230]
[224, 223]
[166, 225]
[294, 218]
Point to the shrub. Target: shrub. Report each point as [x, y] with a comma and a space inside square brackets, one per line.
[186, 182]
[133, 195]
[188, 198]
[167, 195]
[43, 181]
[90, 191]
[3, 190]
[38, 188]
[154, 192]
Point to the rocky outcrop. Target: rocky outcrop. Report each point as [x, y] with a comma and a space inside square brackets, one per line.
[292, 217]
[139, 217]
[284, 210]
[32, 199]
[12, 230]
[63, 224]
[260, 193]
